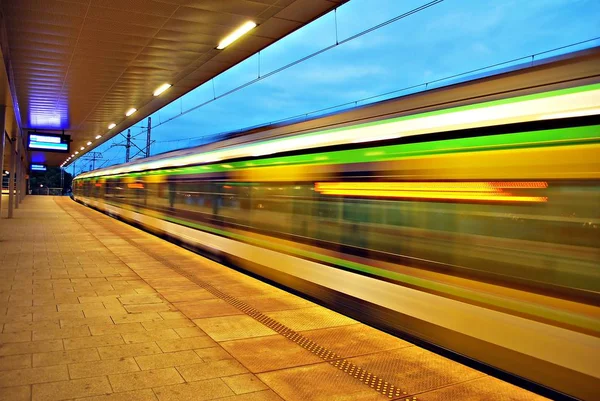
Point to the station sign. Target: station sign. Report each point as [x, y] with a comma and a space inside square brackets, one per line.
[48, 142]
[38, 167]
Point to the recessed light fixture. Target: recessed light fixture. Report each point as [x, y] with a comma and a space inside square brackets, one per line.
[76, 152]
[130, 111]
[161, 89]
[83, 147]
[112, 125]
[98, 136]
[235, 35]
[89, 143]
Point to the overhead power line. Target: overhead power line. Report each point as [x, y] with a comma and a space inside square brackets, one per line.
[293, 63]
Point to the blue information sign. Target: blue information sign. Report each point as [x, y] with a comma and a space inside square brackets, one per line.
[38, 167]
[48, 142]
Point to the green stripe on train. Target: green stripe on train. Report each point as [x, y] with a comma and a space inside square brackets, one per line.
[552, 137]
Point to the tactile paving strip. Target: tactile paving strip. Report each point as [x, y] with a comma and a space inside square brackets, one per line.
[378, 384]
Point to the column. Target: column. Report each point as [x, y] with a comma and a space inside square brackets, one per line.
[2, 141]
[17, 174]
[24, 178]
[11, 178]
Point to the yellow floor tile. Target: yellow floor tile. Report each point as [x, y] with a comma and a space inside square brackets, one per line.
[145, 379]
[169, 359]
[196, 391]
[70, 389]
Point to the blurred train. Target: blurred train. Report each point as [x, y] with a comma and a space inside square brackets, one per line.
[466, 216]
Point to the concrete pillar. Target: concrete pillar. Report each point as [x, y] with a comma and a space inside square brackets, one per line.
[11, 178]
[2, 141]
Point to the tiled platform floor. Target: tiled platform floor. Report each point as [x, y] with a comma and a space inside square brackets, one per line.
[93, 309]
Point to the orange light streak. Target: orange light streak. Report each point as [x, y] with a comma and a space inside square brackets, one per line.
[135, 186]
[473, 191]
[430, 186]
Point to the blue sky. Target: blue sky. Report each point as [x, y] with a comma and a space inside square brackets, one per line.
[446, 39]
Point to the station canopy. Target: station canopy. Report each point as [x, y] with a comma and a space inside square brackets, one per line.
[80, 65]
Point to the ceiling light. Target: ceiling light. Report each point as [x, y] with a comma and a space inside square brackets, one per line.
[112, 125]
[130, 111]
[83, 147]
[161, 89]
[76, 152]
[235, 35]
[89, 143]
[98, 136]
[73, 155]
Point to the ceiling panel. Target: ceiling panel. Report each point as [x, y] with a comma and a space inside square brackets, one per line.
[57, 7]
[78, 65]
[135, 18]
[238, 7]
[146, 6]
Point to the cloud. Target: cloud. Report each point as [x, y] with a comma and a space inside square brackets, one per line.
[479, 47]
[333, 75]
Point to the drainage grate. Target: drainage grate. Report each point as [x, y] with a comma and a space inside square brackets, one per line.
[379, 384]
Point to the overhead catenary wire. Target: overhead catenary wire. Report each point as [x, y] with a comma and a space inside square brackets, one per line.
[300, 60]
[404, 89]
[355, 102]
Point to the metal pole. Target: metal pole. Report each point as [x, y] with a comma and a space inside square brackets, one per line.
[17, 177]
[23, 191]
[11, 178]
[18, 168]
[148, 133]
[128, 146]
[2, 141]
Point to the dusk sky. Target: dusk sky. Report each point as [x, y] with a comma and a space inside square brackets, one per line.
[449, 38]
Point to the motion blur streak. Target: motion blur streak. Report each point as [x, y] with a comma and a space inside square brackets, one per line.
[476, 228]
[474, 191]
[429, 186]
[433, 195]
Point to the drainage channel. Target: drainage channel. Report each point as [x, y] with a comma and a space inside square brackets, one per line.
[375, 382]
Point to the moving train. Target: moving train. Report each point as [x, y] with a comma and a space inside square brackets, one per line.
[466, 217]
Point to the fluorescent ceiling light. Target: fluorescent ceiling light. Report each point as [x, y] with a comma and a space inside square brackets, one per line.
[235, 35]
[112, 125]
[130, 111]
[98, 136]
[89, 143]
[161, 89]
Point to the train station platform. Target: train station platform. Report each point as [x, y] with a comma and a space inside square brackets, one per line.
[94, 309]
